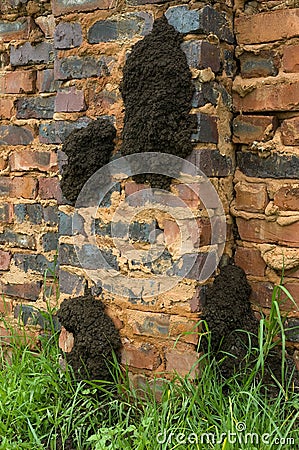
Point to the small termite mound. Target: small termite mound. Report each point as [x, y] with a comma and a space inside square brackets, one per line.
[87, 149]
[96, 340]
[233, 330]
[157, 91]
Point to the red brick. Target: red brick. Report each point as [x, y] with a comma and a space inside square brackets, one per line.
[275, 97]
[257, 230]
[17, 29]
[144, 357]
[253, 128]
[171, 232]
[47, 25]
[251, 261]
[6, 108]
[25, 187]
[5, 258]
[50, 188]
[3, 163]
[132, 187]
[290, 131]
[26, 291]
[287, 198]
[290, 59]
[293, 289]
[182, 363]
[261, 294]
[5, 305]
[18, 82]
[251, 197]
[30, 160]
[149, 324]
[184, 329]
[267, 27]
[60, 7]
[15, 135]
[70, 101]
[189, 194]
[66, 340]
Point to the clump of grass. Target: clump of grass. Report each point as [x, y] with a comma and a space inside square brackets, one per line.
[44, 407]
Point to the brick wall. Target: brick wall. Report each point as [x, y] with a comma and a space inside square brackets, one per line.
[61, 66]
[265, 131]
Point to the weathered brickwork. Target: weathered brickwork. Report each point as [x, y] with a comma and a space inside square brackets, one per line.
[61, 64]
[266, 133]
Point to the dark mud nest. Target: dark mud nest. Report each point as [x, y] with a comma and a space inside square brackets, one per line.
[96, 339]
[234, 329]
[87, 149]
[157, 90]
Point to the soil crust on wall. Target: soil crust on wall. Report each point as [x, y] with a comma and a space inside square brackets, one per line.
[157, 90]
[234, 328]
[95, 337]
[87, 149]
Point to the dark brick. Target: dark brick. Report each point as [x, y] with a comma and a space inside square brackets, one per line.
[45, 81]
[28, 212]
[202, 54]
[67, 255]
[65, 224]
[17, 239]
[71, 284]
[35, 107]
[262, 65]
[50, 214]
[75, 67]
[6, 213]
[206, 20]
[14, 135]
[50, 241]
[67, 35]
[253, 128]
[23, 55]
[292, 329]
[60, 7]
[206, 129]
[229, 64]
[191, 266]
[212, 163]
[121, 27]
[57, 132]
[34, 263]
[274, 166]
[17, 29]
[141, 231]
[34, 316]
[70, 100]
[27, 291]
[205, 93]
[104, 229]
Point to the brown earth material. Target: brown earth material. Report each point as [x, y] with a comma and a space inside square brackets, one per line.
[157, 91]
[230, 320]
[88, 150]
[95, 337]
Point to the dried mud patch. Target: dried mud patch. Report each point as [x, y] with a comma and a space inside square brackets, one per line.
[157, 91]
[234, 328]
[95, 337]
[87, 149]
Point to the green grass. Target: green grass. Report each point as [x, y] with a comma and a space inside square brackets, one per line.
[40, 403]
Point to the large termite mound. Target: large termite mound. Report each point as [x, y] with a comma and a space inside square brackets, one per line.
[95, 337]
[157, 91]
[87, 149]
[233, 329]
